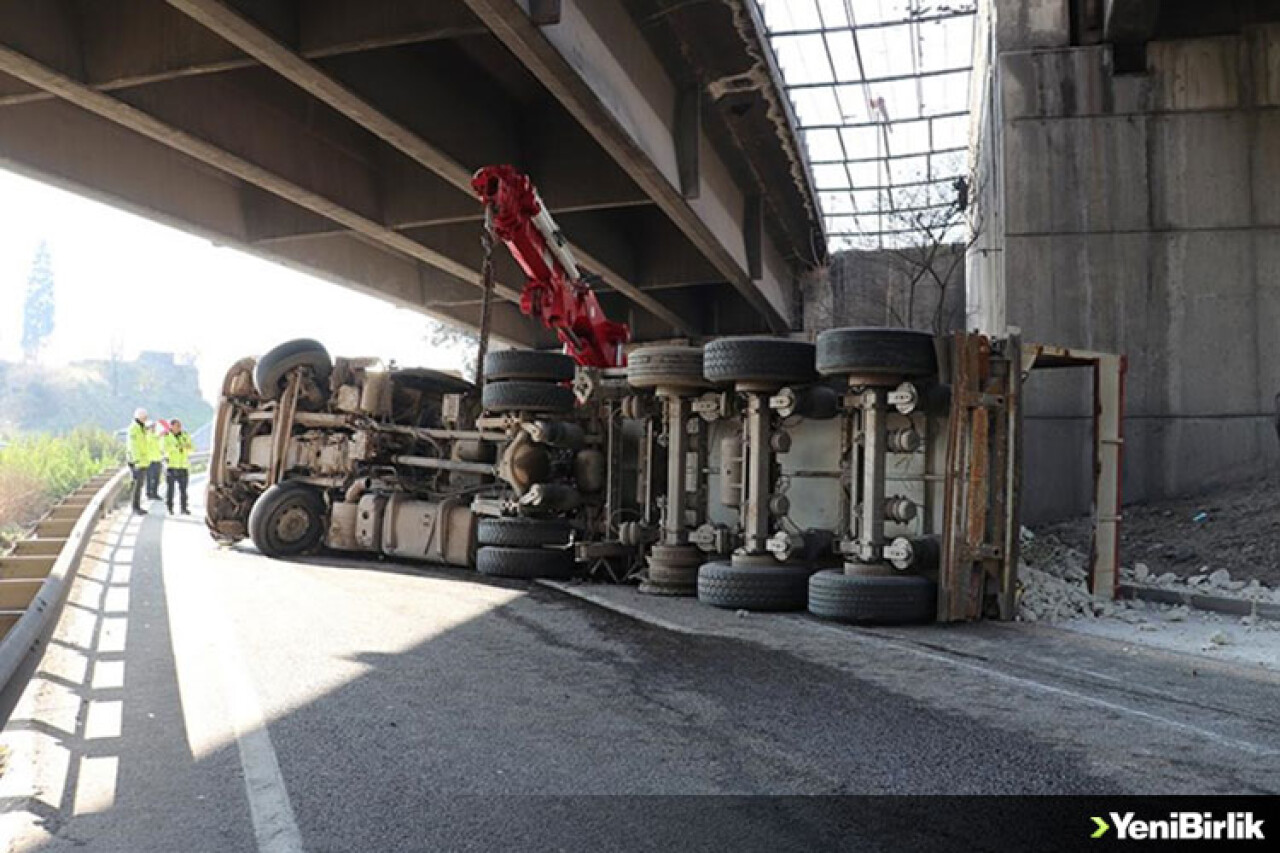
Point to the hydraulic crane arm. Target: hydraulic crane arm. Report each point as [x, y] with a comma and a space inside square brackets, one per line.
[555, 291]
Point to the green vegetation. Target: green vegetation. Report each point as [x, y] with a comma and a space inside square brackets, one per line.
[36, 471]
[38, 398]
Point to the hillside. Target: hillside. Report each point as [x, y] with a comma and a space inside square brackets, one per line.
[36, 398]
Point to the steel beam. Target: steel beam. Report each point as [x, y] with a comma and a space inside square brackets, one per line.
[628, 110]
[144, 41]
[230, 25]
[244, 34]
[60, 144]
[113, 109]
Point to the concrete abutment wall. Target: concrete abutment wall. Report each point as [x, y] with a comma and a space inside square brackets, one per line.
[1139, 214]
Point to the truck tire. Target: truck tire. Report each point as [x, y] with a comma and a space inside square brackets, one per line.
[524, 532]
[524, 563]
[895, 352]
[287, 520]
[520, 396]
[762, 588]
[528, 364]
[773, 361]
[273, 368]
[872, 599]
[666, 367]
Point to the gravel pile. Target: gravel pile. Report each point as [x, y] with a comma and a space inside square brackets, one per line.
[1053, 579]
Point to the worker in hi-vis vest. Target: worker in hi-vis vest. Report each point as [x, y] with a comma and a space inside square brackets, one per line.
[177, 454]
[155, 454]
[138, 455]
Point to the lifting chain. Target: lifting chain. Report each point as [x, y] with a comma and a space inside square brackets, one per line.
[486, 298]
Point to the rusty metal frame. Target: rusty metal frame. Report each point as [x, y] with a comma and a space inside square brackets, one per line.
[978, 573]
[1109, 371]
[977, 576]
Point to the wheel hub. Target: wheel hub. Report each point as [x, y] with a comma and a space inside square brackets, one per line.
[292, 524]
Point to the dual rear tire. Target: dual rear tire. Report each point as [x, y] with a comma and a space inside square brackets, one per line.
[528, 381]
[525, 548]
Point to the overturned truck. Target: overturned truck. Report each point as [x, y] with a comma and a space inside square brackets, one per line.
[354, 455]
[870, 477]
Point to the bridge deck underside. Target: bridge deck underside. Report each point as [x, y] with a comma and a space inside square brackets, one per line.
[338, 137]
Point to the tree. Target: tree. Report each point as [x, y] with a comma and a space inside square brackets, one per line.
[38, 307]
[456, 339]
[115, 356]
[908, 259]
[930, 227]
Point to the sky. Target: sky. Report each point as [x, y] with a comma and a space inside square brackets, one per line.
[885, 108]
[126, 282]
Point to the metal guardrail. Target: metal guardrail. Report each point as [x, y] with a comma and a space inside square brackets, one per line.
[63, 535]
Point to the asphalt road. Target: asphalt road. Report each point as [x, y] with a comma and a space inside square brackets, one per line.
[199, 698]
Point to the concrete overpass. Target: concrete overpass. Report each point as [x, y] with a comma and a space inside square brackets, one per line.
[338, 138]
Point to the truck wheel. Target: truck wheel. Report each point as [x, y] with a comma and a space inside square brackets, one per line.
[528, 364]
[524, 563]
[524, 532]
[672, 570]
[667, 367]
[287, 520]
[518, 396]
[272, 369]
[871, 599]
[896, 352]
[762, 588]
[774, 361]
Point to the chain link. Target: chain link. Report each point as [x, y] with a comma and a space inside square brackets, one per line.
[486, 299]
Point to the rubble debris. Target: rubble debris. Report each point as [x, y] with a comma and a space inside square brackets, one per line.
[1053, 577]
[1241, 534]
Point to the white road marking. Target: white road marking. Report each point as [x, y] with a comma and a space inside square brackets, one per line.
[105, 719]
[96, 784]
[226, 707]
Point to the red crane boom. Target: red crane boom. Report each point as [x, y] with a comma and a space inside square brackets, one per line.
[555, 291]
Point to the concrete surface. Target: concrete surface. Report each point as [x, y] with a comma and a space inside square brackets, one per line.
[1136, 213]
[207, 699]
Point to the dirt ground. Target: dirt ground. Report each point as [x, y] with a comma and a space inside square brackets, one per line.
[1238, 529]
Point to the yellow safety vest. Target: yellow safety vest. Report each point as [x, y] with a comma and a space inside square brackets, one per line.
[154, 450]
[139, 448]
[177, 449]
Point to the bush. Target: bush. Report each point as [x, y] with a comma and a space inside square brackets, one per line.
[36, 471]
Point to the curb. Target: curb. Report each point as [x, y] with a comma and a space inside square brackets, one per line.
[575, 591]
[1201, 601]
[24, 643]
